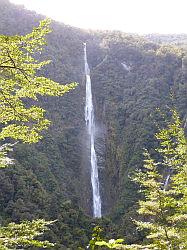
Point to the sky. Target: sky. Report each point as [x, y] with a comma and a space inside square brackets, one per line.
[136, 16]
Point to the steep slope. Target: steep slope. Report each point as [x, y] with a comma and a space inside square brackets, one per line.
[45, 181]
[131, 77]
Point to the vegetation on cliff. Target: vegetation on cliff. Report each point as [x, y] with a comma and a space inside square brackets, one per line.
[48, 178]
[163, 181]
[21, 121]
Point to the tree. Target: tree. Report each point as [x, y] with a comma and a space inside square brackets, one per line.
[20, 83]
[24, 234]
[164, 184]
[20, 118]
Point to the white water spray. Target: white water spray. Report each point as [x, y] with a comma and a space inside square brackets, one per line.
[125, 66]
[166, 181]
[90, 123]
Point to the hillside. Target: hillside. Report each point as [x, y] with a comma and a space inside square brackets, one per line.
[131, 78]
[175, 39]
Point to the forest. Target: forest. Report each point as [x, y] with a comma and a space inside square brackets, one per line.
[139, 91]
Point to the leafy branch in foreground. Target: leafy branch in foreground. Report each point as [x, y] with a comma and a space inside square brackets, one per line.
[24, 234]
[4, 159]
[20, 119]
[164, 184]
[112, 244]
[20, 82]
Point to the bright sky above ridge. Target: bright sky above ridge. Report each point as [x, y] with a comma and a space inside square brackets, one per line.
[139, 16]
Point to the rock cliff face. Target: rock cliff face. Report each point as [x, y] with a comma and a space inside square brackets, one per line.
[125, 103]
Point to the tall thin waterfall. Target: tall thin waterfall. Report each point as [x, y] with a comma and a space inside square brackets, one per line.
[166, 181]
[90, 123]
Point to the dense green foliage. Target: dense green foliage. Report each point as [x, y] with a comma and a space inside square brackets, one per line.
[24, 234]
[165, 204]
[50, 178]
[20, 121]
[164, 184]
[19, 82]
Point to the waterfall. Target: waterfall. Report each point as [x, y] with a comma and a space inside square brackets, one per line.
[90, 123]
[185, 123]
[166, 181]
[125, 66]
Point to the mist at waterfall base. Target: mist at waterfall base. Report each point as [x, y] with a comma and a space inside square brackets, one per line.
[90, 124]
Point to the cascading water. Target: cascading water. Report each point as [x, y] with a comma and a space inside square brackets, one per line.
[90, 123]
[166, 181]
